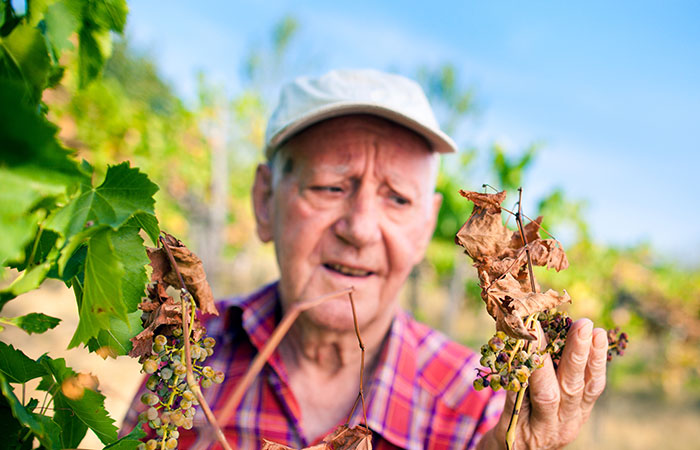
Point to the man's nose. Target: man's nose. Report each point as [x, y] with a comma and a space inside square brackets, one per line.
[359, 224]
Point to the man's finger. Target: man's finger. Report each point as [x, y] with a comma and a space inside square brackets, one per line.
[595, 371]
[544, 394]
[572, 367]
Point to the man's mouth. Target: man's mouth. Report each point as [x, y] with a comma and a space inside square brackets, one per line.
[348, 271]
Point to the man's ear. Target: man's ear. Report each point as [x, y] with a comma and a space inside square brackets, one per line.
[262, 202]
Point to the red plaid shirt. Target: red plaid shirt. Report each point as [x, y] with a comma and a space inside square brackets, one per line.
[420, 397]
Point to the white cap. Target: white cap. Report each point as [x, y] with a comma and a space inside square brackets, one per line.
[306, 101]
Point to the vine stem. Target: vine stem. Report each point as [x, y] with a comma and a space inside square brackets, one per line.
[191, 382]
[261, 358]
[515, 414]
[360, 395]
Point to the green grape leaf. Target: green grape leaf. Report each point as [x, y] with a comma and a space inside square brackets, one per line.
[102, 289]
[90, 57]
[24, 57]
[149, 223]
[62, 19]
[131, 252]
[116, 340]
[11, 430]
[129, 441]
[37, 250]
[87, 408]
[18, 367]
[34, 168]
[42, 427]
[124, 192]
[109, 14]
[32, 322]
[72, 431]
[26, 281]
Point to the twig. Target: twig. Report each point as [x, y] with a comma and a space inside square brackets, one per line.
[515, 414]
[261, 358]
[360, 395]
[191, 382]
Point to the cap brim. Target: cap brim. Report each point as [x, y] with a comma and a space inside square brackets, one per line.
[439, 141]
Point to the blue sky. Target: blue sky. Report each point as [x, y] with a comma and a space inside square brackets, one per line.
[611, 89]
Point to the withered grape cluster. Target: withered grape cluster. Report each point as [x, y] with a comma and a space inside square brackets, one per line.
[617, 343]
[171, 402]
[508, 364]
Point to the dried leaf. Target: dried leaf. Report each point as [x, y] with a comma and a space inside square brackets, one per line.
[501, 261]
[161, 312]
[483, 234]
[342, 438]
[191, 269]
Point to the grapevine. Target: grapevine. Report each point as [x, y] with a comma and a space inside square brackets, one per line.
[176, 358]
[504, 261]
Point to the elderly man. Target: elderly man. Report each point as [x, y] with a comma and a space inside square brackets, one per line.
[347, 196]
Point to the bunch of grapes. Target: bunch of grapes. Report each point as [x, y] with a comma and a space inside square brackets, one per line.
[171, 401]
[617, 343]
[508, 364]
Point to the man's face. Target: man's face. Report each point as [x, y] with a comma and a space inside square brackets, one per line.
[354, 205]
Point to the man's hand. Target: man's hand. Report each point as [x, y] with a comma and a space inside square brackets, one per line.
[559, 402]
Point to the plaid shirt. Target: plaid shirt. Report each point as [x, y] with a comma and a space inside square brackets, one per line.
[420, 397]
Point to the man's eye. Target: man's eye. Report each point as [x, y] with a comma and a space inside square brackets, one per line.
[331, 189]
[399, 200]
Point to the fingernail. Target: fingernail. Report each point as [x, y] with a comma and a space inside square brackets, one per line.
[600, 340]
[586, 330]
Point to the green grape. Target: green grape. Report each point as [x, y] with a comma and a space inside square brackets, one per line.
[496, 344]
[209, 342]
[152, 413]
[160, 340]
[152, 382]
[479, 383]
[155, 423]
[218, 377]
[185, 404]
[151, 444]
[156, 348]
[149, 399]
[177, 418]
[180, 369]
[171, 443]
[488, 360]
[522, 374]
[189, 423]
[513, 385]
[175, 434]
[150, 366]
[141, 446]
[177, 332]
[209, 351]
[495, 383]
[165, 417]
[188, 395]
[206, 383]
[166, 373]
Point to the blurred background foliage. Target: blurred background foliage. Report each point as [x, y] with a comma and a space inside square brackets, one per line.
[203, 156]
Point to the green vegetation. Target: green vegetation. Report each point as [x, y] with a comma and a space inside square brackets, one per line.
[78, 112]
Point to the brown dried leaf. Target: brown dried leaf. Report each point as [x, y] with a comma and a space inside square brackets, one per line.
[501, 261]
[342, 438]
[483, 234]
[191, 269]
